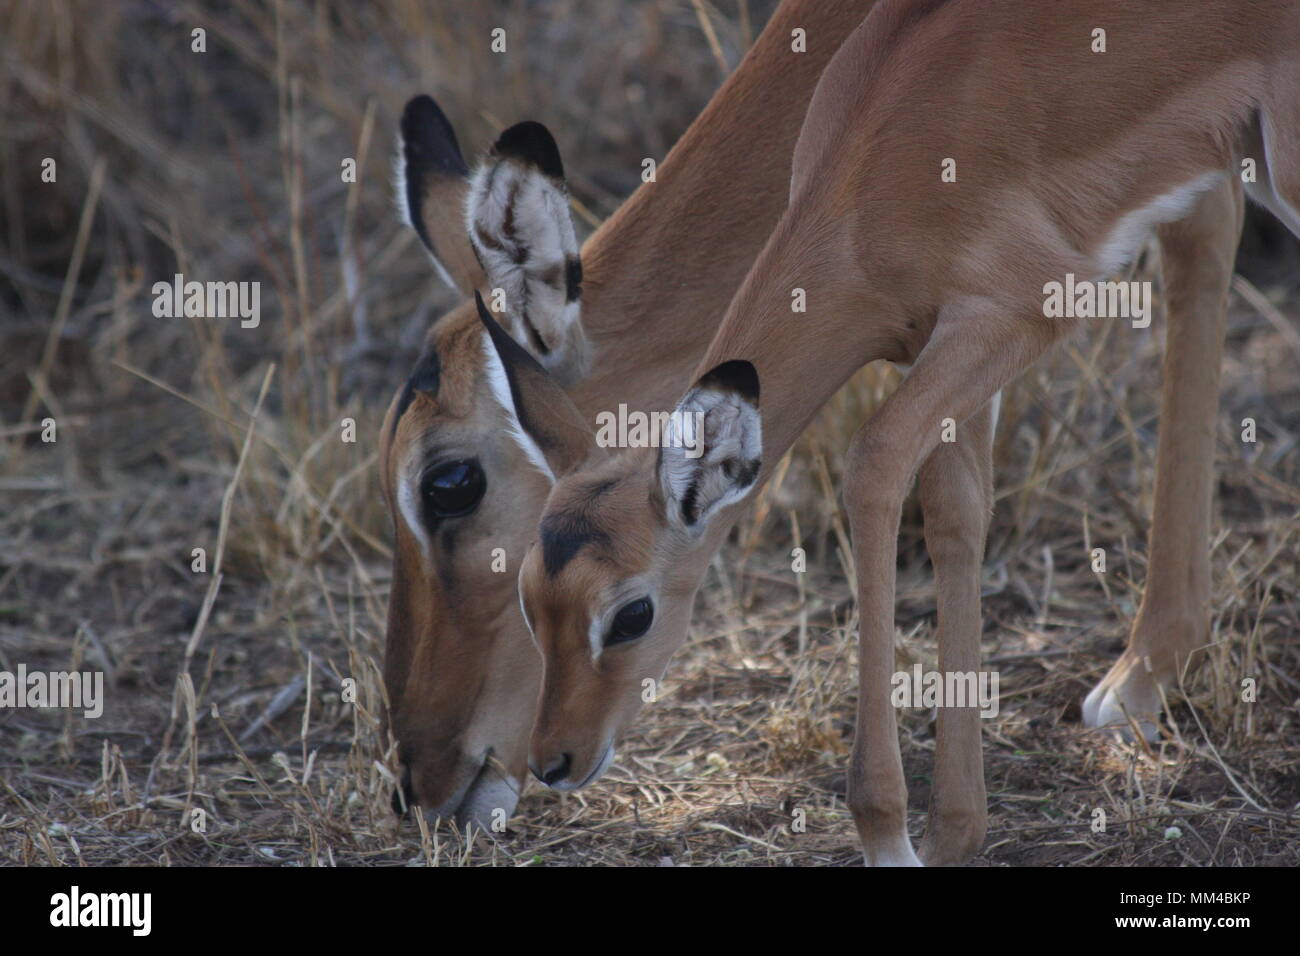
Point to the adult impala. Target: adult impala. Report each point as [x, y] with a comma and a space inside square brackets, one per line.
[460, 672]
[1066, 159]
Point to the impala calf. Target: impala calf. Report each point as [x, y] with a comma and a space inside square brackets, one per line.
[460, 672]
[1066, 159]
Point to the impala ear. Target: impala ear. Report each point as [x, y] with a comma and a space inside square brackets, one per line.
[713, 448]
[518, 220]
[432, 183]
[542, 418]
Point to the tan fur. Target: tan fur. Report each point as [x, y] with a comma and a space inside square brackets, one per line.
[460, 670]
[1054, 145]
[442, 212]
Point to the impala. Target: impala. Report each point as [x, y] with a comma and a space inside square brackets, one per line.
[460, 673]
[1066, 158]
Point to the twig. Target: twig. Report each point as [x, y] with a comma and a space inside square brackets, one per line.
[224, 525]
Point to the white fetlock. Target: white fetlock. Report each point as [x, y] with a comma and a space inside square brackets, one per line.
[1127, 695]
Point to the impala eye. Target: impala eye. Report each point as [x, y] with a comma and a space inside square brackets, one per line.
[631, 621]
[454, 489]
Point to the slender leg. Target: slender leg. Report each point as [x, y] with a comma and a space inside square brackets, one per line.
[956, 489]
[1174, 617]
[974, 351]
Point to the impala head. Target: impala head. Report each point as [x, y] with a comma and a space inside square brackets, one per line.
[460, 671]
[622, 547]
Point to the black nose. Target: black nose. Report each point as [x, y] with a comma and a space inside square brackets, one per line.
[558, 771]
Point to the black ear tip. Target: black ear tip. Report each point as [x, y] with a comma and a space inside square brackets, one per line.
[429, 138]
[422, 104]
[422, 113]
[483, 312]
[532, 143]
[736, 376]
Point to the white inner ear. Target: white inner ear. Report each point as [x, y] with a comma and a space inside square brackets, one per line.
[732, 442]
[540, 241]
[500, 387]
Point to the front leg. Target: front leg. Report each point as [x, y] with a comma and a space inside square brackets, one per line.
[877, 793]
[974, 351]
[956, 491]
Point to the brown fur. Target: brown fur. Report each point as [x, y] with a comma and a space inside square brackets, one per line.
[1054, 145]
[460, 671]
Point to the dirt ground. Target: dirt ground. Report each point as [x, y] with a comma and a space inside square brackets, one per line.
[230, 165]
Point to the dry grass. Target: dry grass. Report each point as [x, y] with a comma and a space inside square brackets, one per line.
[175, 434]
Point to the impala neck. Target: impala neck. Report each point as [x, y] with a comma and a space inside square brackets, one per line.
[803, 358]
[660, 271]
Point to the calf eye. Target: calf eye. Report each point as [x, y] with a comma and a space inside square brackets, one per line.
[454, 489]
[631, 621]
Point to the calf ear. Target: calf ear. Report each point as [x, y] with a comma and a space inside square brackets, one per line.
[432, 184]
[519, 223]
[541, 417]
[713, 449]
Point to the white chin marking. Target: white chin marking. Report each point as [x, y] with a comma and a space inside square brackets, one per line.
[601, 767]
[897, 852]
[490, 802]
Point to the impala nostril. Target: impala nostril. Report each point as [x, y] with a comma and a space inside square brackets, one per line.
[557, 772]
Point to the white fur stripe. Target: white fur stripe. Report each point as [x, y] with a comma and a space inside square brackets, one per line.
[1131, 230]
[500, 386]
[524, 611]
[408, 503]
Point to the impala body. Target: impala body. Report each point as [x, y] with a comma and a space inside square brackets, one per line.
[1067, 157]
[465, 495]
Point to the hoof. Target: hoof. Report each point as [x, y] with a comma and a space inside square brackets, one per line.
[1129, 694]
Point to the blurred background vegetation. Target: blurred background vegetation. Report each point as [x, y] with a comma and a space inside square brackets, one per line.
[226, 165]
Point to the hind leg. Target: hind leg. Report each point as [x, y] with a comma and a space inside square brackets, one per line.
[1273, 142]
[1174, 617]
